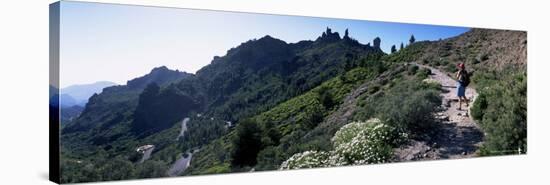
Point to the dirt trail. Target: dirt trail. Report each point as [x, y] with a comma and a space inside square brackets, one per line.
[459, 136]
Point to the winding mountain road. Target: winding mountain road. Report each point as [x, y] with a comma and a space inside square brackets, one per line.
[180, 165]
[184, 161]
[147, 154]
[183, 127]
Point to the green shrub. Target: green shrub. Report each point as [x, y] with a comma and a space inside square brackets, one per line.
[152, 169]
[408, 105]
[482, 57]
[444, 62]
[373, 88]
[247, 143]
[410, 110]
[475, 61]
[425, 61]
[222, 168]
[424, 73]
[269, 158]
[412, 69]
[430, 84]
[479, 107]
[450, 67]
[501, 112]
[325, 97]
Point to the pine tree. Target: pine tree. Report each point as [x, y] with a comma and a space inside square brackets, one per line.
[393, 50]
[412, 39]
[247, 144]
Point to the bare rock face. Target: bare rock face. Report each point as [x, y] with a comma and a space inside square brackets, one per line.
[329, 36]
[376, 42]
[346, 34]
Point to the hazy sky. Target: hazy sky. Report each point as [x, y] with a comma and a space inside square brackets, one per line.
[107, 42]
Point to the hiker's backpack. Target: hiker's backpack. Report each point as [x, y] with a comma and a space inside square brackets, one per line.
[465, 78]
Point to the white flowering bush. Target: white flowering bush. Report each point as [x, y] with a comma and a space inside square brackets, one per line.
[307, 159]
[356, 143]
[369, 146]
[349, 131]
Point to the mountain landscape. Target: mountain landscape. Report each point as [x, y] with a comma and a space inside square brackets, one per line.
[272, 105]
[72, 99]
[80, 93]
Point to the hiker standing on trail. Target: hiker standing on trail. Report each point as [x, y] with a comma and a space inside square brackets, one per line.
[463, 79]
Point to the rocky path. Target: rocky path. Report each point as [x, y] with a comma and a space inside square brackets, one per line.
[459, 136]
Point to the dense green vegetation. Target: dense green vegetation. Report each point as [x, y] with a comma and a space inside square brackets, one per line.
[405, 103]
[280, 130]
[68, 114]
[158, 110]
[104, 168]
[247, 142]
[260, 74]
[168, 148]
[501, 110]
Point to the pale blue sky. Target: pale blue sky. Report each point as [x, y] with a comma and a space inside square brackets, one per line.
[108, 42]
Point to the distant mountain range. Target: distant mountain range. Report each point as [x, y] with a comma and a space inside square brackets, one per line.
[108, 107]
[79, 94]
[72, 99]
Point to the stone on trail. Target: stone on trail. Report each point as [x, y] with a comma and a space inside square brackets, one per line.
[447, 103]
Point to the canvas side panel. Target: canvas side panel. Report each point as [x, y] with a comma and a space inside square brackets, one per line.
[54, 124]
